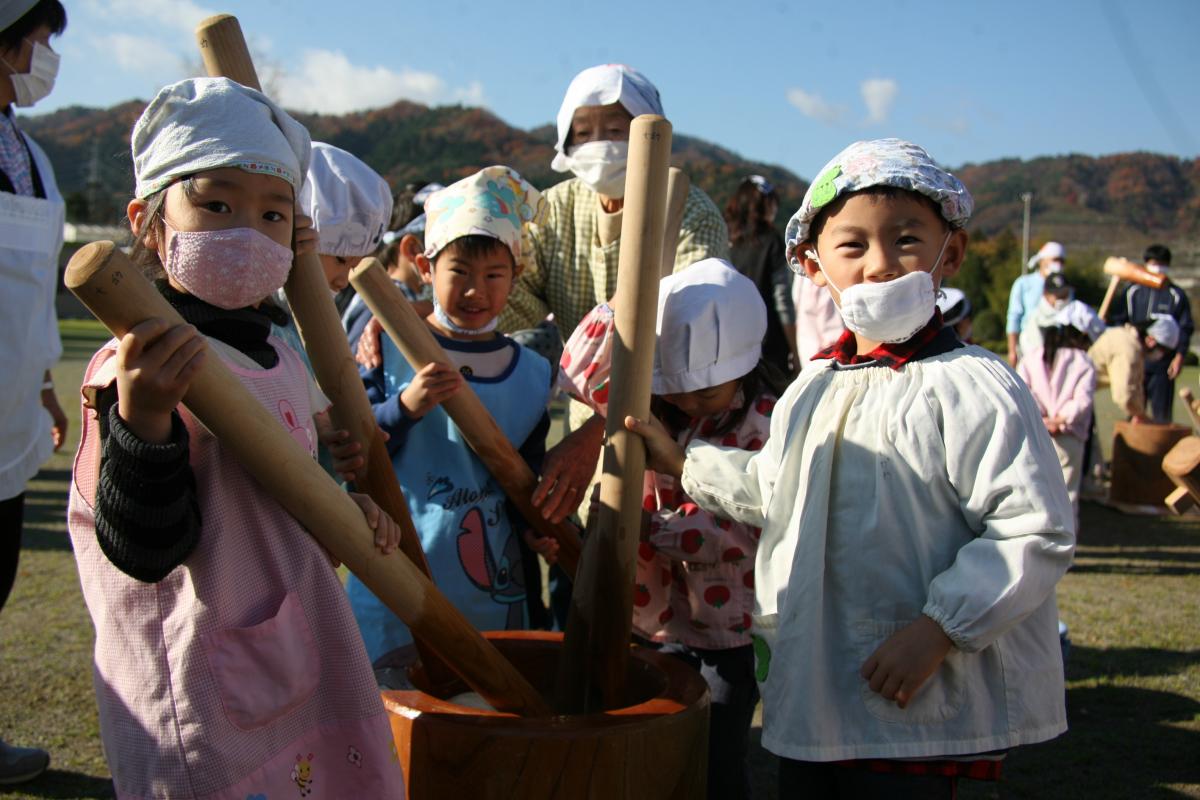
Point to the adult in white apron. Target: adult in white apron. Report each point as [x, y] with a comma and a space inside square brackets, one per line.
[32, 423]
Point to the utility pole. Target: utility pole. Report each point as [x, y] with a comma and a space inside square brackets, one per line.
[94, 185]
[1027, 198]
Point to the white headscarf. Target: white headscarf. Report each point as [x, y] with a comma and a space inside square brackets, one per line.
[200, 124]
[711, 324]
[1052, 250]
[600, 86]
[350, 204]
[1165, 330]
[1079, 315]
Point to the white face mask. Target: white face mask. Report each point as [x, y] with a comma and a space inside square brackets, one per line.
[891, 311]
[439, 313]
[39, 81]
[601, 165]
[444, 320]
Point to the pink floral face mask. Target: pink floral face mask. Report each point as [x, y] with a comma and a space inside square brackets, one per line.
[230, 269]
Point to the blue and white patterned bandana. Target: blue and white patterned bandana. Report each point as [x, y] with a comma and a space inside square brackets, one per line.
[879, 162]
[495, 202]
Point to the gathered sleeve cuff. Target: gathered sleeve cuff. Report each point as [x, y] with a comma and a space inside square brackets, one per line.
[728, 481]
[147, 514]
[1004, 468]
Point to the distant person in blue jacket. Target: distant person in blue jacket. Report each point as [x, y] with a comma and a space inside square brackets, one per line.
[1027, 293]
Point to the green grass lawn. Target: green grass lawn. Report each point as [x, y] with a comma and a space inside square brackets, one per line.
[1132, 603]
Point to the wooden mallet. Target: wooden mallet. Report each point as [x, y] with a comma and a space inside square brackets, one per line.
[596, 646]
[480, 431]
[1182, 465]
[678, 186]
[104, 279]
[1189, 402]
[223, 48]
[1122, 269]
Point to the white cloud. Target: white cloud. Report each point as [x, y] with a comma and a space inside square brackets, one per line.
[325, 81]
[815, 106]
[182, 15]
[139, 53]
[878, 94]
[143, 55]
[470, 95]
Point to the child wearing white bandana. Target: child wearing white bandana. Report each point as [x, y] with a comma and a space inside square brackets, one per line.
[227, 665]
[914, 516]
[472, 538]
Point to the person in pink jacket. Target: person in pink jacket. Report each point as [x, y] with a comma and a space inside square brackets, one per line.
[1062, 378]
[694, 585]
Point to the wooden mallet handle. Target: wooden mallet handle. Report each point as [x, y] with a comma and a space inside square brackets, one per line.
[223, 48]
[480, 431]
[678, 186]
[103, 278]
[596, 645]
[1109, 294]
[225, 55]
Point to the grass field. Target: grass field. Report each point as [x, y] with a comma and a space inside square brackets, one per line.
[1132, 603]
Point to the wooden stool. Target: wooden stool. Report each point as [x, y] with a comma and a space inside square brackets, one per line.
[1182, 465]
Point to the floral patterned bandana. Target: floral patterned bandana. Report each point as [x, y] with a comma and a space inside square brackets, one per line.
[880, 162]
[495, 202]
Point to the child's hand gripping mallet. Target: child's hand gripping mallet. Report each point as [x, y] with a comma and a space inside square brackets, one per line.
[413, 338]
[104, 279]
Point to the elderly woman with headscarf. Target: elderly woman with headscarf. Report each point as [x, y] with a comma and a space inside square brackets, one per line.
[574, 253]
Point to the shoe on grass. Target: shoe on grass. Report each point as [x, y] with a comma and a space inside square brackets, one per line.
[20, 764]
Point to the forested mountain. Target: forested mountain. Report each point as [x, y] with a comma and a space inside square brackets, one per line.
[1114, 202]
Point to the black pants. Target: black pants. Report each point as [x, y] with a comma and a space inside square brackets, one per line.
[734, 694]
[12, 515]
[1160, 390]
[809, 779]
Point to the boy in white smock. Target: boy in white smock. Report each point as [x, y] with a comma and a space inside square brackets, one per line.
[913, 512]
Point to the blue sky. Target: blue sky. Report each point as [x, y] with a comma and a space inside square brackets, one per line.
[783, 81]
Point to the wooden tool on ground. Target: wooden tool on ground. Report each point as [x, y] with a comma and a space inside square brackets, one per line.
[104, 279]
[1182, 465]
[1122, 269]
[1193, 408]
[678, 186]
[223, 48]
[596, 645]
[414, 339]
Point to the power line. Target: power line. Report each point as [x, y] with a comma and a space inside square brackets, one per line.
[1152, 93]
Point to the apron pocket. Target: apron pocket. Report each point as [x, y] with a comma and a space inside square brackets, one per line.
[266, 670]
[938, 699]
[764, 632]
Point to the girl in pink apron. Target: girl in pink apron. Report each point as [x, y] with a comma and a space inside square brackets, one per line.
[227, 662]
